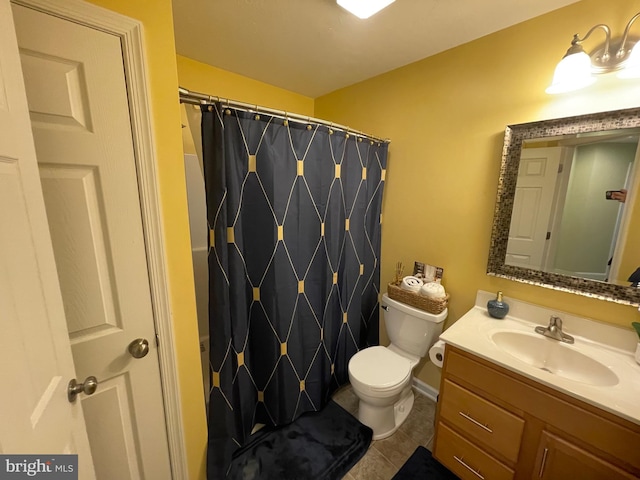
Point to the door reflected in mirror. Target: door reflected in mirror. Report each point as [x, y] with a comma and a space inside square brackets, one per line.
[569, 214]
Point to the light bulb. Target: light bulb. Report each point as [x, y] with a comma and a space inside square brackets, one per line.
[572, 73]
[632, 68]
[364, 8]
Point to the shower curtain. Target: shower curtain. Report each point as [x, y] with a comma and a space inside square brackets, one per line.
[294, 219]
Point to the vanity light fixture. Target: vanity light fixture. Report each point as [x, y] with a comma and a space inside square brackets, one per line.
[577, 69]
[364, 8]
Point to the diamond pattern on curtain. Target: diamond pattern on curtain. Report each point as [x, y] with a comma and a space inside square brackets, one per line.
[294, 218]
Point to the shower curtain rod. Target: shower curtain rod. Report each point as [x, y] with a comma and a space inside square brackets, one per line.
[195, 98]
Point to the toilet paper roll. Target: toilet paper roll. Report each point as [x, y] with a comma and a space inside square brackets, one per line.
[412, 284]
[436, 353]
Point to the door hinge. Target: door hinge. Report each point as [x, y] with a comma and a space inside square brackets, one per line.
[560, 167]
[548, 235]
[157, 340]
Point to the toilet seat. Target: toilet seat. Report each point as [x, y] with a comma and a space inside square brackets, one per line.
[378, 369]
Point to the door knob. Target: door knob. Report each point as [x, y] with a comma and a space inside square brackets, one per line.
[138, 348]
[89, 386]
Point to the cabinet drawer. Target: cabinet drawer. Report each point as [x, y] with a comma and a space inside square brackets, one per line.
[466, 460]
[596, 430]
[482, 421]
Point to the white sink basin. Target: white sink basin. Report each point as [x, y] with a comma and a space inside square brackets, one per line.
[599, 368]
[554, 357]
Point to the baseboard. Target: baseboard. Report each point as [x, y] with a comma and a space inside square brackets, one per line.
[426, 389]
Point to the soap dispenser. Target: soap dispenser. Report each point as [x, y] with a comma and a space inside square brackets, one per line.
[498, 308]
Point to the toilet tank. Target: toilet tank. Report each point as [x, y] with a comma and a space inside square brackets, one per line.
[411, 329]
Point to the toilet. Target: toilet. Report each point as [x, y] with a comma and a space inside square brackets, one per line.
[381, 376]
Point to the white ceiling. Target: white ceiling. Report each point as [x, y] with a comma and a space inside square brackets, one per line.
[314, 47]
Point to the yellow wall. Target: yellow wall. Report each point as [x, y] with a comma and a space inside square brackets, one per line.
[630, 260]
[445, 116]
[157, 19]
[203, 78]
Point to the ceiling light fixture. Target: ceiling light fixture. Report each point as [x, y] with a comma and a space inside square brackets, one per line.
[577, 69]
[364, 8]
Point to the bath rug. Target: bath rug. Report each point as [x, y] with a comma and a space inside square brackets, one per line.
[317, 445]
[422, 465]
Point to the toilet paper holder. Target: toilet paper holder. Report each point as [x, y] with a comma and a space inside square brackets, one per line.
[436, 353]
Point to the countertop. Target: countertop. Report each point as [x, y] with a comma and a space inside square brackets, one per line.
[610, 345]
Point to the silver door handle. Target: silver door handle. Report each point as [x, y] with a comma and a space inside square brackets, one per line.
[138, 348]
[471, 469]
[475, 422]
[544, 462]
[88, 387]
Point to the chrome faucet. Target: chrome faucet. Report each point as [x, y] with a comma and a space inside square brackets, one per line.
[554, 330]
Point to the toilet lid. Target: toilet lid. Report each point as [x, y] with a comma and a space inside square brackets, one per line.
[379, 368]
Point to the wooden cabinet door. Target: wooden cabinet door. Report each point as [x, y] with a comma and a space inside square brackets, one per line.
[558, 458]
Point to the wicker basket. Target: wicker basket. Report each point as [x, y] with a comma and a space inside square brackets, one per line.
[418, 301]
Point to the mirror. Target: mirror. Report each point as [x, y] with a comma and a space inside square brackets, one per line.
[559, 222]
[569, 214]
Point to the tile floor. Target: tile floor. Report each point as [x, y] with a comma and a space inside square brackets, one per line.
[385, 457]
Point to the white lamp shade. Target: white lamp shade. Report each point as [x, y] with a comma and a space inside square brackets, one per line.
[632, 68]
[572, 73]
[364, 8]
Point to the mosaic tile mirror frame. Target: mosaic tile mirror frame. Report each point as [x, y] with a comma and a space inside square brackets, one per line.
[514, 137]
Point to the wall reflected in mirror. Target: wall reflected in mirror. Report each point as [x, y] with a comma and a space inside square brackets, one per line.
[567, 213]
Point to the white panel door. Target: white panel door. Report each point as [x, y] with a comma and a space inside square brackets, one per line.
[76, 90]
[532, 206]
[35, 355]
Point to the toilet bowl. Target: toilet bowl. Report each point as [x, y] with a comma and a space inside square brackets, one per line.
[381, 377]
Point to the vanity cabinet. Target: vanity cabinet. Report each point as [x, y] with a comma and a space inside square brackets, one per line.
[495, 424]
[558, 458]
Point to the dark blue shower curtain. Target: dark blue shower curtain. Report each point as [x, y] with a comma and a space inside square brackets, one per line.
[294, 219]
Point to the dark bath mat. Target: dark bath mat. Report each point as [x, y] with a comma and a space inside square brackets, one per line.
[318, 445]
[422, 465]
